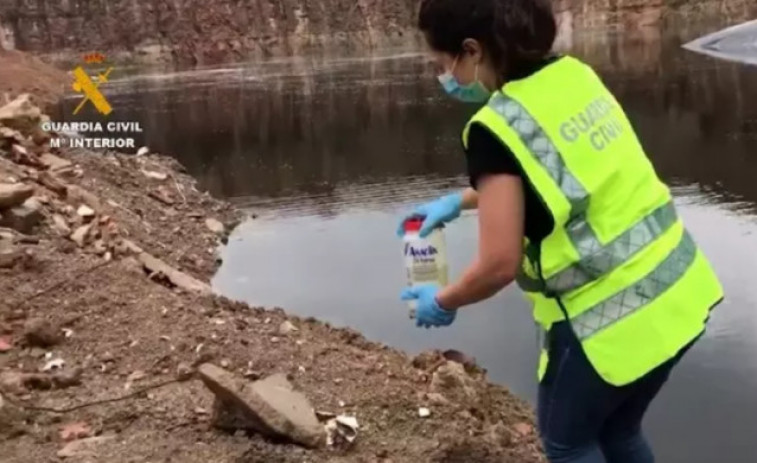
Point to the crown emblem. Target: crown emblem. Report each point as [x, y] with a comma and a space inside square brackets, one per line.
[90, 58]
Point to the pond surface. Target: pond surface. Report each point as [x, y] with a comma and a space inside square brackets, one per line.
[327, 155]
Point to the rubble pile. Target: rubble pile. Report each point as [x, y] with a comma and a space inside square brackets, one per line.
[105, 260]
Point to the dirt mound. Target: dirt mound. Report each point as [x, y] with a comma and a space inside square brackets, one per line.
[22, 73]
[104, 293]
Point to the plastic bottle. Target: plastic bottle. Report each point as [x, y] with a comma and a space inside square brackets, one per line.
[425, 258]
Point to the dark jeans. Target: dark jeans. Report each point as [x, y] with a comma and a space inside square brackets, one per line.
[583, 419]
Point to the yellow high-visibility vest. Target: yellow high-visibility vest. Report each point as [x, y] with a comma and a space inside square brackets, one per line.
[619, 262]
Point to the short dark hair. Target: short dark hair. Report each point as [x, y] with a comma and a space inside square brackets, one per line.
[514, 33]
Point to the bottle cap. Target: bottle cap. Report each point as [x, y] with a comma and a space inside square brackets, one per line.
[413, 225]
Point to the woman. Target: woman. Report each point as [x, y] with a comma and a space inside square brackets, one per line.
[570, 207]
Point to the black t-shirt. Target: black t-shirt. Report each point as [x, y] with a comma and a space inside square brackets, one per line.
[487, 154]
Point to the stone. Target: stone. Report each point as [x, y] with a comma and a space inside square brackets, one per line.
[136, 375]
[10, 254]
[74, 431]
[436, 398]
[53, 162]
[163, 195]
[180, 279]
[499, 435]
[61, 225]
[154, 174]
[5, 344]
[85, 212]
[287, 327]
[20, 114]
[77, 194]
[41, 333]
[21, 155]
[53, 183]
[215, 226]
[22, 218]
[12, 382]
[14, 194]
[271, 405]
[523, 428]
[79, 236]
[67, 378]
[83, 448]
[452, 379]
[184, 372]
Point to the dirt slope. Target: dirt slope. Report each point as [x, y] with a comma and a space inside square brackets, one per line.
[23, 73]
[74, 288]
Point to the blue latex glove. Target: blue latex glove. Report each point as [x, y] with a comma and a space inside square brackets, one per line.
[428, 312]
[435, 213]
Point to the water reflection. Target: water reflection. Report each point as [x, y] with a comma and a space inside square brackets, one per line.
[304, 126]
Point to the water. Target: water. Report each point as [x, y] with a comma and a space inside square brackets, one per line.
[328, 154]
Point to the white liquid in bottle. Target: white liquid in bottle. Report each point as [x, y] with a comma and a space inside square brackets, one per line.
[425, 258]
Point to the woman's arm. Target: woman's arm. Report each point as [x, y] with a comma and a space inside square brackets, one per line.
[500, 214]
[470, 199]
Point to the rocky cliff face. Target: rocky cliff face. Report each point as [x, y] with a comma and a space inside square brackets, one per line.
[211, 31]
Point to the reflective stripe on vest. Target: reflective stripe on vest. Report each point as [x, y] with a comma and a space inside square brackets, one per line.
[595, 259]
[640, 293]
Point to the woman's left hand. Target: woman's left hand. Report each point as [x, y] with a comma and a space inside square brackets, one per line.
[428, 312]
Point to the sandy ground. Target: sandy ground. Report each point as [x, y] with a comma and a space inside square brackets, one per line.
[120, 327]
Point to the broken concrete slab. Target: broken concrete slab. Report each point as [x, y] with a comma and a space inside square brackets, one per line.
[22, 218]
[20, 114]
[53, 162]
[270, 405]
[52, 182]
[14, 194]
[79, 236]
[61, 225]
[178, 278]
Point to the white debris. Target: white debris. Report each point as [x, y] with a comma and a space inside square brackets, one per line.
[424, 412]
[154, 174]
[341, 427]
[143, 151]
[287, 327]
[85, 211]
[68, 332]
[54, 364]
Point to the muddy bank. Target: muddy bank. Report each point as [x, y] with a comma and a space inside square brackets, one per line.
[104, 259]
[206, 33]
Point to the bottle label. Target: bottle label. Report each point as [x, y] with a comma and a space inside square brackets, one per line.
[425, 254]
[423, 265]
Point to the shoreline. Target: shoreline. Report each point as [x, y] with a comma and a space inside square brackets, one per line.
[105, 264]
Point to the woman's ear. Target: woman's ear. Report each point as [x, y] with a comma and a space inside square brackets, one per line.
[472, 48]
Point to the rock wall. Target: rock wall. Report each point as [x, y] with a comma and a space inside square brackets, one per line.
[212, 31]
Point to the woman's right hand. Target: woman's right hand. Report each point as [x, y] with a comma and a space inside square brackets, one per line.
[435, 213]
